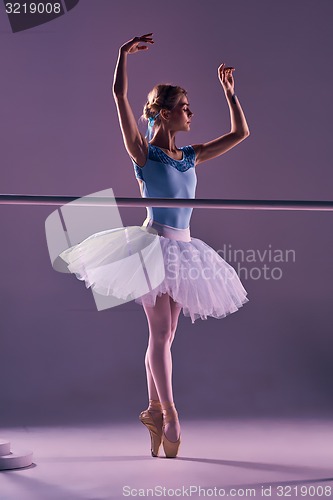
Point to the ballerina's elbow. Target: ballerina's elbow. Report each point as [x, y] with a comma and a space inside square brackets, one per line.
[243, 134]
[118, 93]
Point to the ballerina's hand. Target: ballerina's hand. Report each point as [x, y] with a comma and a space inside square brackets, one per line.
[226, 78]
[133, 46]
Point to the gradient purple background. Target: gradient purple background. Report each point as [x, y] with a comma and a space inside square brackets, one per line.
[62, 360]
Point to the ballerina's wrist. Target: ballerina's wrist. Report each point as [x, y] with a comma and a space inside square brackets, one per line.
[230, 94]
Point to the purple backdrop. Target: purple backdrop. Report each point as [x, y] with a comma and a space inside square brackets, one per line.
[61, 359]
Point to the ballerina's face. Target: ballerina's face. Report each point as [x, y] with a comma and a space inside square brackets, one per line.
[181, 115]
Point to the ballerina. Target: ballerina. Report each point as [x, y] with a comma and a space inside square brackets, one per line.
[163, 170]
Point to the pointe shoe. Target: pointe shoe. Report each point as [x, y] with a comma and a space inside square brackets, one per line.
[153, 422]
[171, 448]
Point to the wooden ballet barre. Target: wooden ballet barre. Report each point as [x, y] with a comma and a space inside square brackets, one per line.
[312, 205]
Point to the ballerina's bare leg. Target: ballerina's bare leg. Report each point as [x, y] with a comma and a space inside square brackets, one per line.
[162, 321]
[175, 311]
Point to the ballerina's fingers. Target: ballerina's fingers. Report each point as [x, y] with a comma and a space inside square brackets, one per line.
[146, 38]
[222, 68]
[225, 72]
[220, 72]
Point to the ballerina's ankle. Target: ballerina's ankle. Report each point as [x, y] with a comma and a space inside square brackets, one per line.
[169, 411]
[168, 406]
[154, 405]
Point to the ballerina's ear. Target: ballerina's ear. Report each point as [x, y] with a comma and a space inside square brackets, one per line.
[165, 114]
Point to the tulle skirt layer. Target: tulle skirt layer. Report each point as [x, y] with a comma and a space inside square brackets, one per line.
[143, 262]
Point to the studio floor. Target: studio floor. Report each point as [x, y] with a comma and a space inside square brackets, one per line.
[234, 458]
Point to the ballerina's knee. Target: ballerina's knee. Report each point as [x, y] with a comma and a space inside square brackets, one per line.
[161, 334]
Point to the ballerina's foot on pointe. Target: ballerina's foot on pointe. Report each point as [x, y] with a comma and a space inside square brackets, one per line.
[170, 430]
[152, 418]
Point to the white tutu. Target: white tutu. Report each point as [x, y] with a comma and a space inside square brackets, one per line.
[139, 263]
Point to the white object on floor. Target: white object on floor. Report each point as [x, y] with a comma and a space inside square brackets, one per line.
[4, 447]
[13, 460]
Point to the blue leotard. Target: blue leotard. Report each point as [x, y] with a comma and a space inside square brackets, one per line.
[164, 177]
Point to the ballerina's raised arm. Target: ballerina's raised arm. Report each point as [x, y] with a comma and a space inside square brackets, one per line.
[239, 127]
[135, 143]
